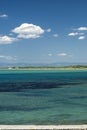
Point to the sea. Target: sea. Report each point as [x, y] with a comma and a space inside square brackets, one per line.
[43, 97]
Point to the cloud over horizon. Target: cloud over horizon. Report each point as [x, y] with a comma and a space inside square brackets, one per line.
[50, 54]
[8, 57]
[62, 54]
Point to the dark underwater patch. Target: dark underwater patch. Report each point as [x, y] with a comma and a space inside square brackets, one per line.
[20, 86]
[20, 108]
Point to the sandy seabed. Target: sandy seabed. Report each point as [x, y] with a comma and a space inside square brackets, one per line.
[43, 127]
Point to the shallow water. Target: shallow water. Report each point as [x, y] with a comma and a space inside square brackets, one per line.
[43, 97]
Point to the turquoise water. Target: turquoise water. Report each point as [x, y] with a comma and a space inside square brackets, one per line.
[43, 97]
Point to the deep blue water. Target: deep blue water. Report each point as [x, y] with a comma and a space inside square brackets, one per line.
[43, 97]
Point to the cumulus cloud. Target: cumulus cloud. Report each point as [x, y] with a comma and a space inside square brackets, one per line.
[48, 30]
[7, 57]
[6, 39]
[55, 35]
[3, 16]
[27, 31]
[81, 38]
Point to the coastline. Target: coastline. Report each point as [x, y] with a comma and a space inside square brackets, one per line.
[43, 127]
[43, 68]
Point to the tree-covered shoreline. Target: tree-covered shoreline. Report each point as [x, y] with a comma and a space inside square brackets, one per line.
[45, 67]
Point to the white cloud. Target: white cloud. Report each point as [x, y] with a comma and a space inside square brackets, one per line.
[79, 34]
[81, 38]
[73, 34]
[82, 29]
[49, 54]
[6, 39]
[28, 31]
[62, 54]
[7, 57]
[3, 16]
[55, 35]
[48, 30]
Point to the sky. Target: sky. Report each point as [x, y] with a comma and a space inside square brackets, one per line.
[43, 31]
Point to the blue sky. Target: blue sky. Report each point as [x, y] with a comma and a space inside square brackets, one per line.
[43, 31]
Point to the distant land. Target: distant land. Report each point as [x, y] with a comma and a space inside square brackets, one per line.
[43, 67]
[57, 64]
